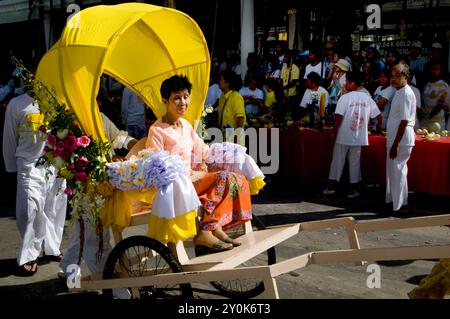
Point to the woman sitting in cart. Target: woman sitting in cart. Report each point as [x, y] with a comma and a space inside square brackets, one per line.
[225, 196]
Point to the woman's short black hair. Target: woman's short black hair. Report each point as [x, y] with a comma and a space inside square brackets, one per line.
[174, 84]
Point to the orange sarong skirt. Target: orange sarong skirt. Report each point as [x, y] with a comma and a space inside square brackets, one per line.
[225, 198]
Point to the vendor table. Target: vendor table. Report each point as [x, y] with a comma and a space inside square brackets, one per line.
[306, 156]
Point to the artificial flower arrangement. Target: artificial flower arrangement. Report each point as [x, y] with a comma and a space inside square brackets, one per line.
[146, 170]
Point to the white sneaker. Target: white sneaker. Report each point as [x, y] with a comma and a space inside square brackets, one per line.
[329, 191]
[354, 194]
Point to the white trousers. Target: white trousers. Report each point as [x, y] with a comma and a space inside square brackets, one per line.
[396, 177]
[90, 249]
[40, 211]
[340, 153]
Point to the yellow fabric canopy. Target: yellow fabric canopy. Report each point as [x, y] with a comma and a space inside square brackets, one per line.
[138, 44]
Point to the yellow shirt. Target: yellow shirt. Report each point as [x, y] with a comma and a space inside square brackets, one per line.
[231, 106]
[270, 99]
[289, 74]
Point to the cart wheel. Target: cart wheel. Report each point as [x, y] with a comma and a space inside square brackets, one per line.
[136, 256]
[247, 288]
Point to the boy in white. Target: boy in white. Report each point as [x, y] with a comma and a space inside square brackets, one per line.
[313, 94]
[352, 117]
[40, 202]
[253, 97]
[383, 96]
[400, 137]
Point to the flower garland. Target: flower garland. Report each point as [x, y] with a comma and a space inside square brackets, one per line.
[78, 158]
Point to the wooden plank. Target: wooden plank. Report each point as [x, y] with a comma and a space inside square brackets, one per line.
[253, 244]
[353, 239]
[416, 222]
[257, 273]
[291, 264]
[326, 223]
[378, 254]
[140, 218]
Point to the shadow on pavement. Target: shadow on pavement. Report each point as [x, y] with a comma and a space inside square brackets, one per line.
[47, 289]
[8, 267]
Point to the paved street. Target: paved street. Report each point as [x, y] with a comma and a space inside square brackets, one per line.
[279, 204]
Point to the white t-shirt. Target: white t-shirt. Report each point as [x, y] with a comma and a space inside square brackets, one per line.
[388, 94]
[213, 95]
[430, 97]
[310, 95]
[256, 94]
[418, 104]
[356, 108]
[316, 68]
[403, 107]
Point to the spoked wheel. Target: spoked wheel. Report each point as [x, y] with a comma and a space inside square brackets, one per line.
[247, 288]
[140, 256]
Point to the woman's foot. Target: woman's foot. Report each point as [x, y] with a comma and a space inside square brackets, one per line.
[206, 239]
[219, 233]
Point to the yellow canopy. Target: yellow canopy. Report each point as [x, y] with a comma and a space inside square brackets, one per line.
[138, 44]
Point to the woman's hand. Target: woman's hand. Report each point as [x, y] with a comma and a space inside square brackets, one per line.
[117, 158]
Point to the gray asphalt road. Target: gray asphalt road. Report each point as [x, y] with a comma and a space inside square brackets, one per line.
[279, 204]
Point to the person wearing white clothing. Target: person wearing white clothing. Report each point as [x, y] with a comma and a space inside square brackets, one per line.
[400, 138]
[253, 97]
[133, 114]
[383, 96]
[40, 202]
[118, 139]
[312, 98]
[213, 94]
[351, 131]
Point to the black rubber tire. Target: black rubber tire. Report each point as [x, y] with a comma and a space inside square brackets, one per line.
[150, 244]
[224, 286]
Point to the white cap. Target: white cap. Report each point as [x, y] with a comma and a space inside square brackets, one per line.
[417, 44]
[436, 45]
[343, 64]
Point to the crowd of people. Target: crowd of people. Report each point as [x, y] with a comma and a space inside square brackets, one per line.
[303, 88]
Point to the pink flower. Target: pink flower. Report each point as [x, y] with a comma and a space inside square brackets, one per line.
[68, 191]
[84, 141]
[57, 153]
[82, 163]
[71, 167]
[71, 143]
[51, 139]
[60, 146]
[46, 149]
[81, 176]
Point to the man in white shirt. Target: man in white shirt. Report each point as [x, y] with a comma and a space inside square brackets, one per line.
[314, 97]
[400, 138]
[133, 114]
[314, 66]
[253, 97]
[353, 112]
[214, 92]
[40, 202]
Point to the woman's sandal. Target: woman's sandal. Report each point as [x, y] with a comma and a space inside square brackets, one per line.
[232, 241]
[24, 272]
[208, 248]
